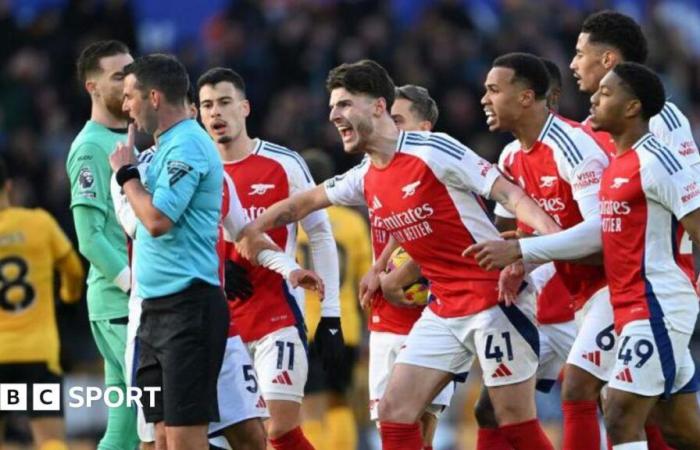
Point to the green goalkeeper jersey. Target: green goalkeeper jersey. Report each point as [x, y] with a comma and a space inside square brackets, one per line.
[100, 237]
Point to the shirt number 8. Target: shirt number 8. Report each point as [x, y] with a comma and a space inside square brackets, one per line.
[16, 293]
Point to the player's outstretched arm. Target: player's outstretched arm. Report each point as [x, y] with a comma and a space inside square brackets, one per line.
[499, 254]
[289, 210]
[515, 200]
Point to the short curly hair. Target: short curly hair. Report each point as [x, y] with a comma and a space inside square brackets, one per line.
[617, 30]
[363, 77]
[645, 85]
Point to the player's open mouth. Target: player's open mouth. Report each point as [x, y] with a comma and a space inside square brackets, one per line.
[218, 127]
[345, 132]
[490, 117]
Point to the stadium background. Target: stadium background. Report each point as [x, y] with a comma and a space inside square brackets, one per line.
[284, 49]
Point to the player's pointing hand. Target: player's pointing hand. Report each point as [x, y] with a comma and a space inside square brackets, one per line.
[492, 255]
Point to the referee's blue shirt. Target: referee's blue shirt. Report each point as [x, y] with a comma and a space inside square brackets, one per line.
[185, 178]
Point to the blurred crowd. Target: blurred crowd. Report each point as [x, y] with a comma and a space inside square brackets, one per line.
[284, 49]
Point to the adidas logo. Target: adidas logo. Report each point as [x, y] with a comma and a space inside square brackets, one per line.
[376, 204]
[333, 331]
[261, 403]
[593, 357]
[501, 371]
[283, 378]
[625, 375]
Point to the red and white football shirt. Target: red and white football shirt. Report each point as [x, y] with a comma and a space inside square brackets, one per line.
[563, 166]
[554, 303]
[385, 316]
[670, 127]
[428, 199]
[268, 175]
[647, 255]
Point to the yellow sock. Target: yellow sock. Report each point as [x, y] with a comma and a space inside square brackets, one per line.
[313, 430]
[53, 444]
[341, 429]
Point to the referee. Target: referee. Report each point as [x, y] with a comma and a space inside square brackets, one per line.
[185, 318]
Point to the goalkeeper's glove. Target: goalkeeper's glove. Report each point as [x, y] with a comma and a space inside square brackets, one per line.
[236, 282]
[329, 342]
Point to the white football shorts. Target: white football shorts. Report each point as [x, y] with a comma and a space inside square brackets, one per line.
[384, 347]
[282, 364]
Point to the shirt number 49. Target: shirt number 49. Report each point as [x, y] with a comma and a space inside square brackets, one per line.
[642, 349]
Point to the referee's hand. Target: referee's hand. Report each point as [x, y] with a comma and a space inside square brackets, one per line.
[123, 154]
[329, 343]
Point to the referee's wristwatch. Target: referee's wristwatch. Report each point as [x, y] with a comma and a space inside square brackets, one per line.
[126, 173]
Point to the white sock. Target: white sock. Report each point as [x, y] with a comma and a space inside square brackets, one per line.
[639, 445]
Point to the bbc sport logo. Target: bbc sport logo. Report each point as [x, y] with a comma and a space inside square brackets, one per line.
[47, 396]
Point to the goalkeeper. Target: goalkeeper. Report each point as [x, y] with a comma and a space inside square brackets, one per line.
[100, 239]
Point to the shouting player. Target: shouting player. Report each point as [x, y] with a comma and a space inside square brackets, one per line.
[271, 322]
[32, 246]
[422, 187]
[606, 39]
[548, 159]
[413, 110]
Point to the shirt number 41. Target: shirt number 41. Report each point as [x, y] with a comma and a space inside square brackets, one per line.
[494, 351]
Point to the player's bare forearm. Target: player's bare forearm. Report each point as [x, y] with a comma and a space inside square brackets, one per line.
[141, 202]
[291, 209]
[391, 291]
[405, 275]
[383, 259]
[515, 200]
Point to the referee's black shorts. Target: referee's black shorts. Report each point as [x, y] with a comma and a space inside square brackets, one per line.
[182, 339]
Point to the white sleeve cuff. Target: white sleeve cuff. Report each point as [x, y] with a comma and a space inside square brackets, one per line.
[123, 280]
[278, 262]
[581, 240]
[324, 255]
